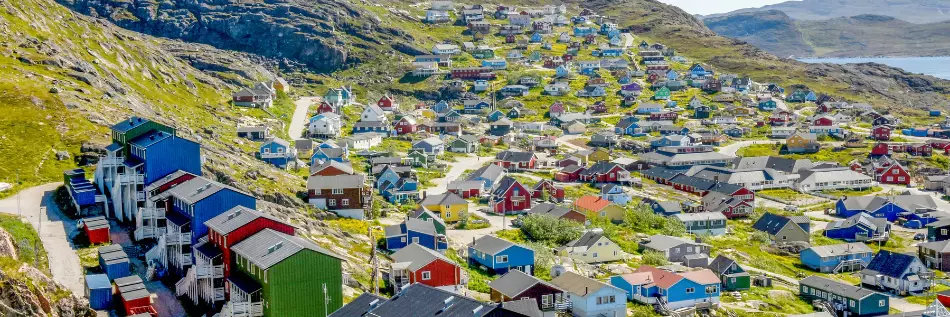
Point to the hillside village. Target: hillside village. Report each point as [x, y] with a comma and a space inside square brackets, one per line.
[576, 170]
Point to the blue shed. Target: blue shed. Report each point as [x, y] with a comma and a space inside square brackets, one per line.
[113, 261]
[99, 291]
[500, 256]
[80, 189]
[935, 113]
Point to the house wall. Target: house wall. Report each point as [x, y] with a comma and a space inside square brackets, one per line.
[899, 284]
[586, 306]
[454, 211]
[441, 274]
[295, 285]
[606, 251]
[225, 242]
[678, 253]
[867, 306]
[170, 155]
[791, 232]
[214, 205]
[321, 200]
[678, 297]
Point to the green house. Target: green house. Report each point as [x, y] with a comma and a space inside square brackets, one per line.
[483, 53]
[284, 275]
[428, 215]
[662, 94]
[418, 158]
[733, 277]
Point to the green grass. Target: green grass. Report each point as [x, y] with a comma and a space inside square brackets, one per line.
[783, 194]
[852, 192]
[26, 238]
[758, 150]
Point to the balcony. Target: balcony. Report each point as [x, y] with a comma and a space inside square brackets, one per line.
[209, 271]
[152, 213]
[110, 161]
[271, 155]
[246, 309]
[139, 196]
[126, 179]
[178, 238]
[561, 305]
[148, 233]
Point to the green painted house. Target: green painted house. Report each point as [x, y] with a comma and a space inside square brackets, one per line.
[733, 276]
[662, 94]
[285, 275]
[856, 301]
[418, 158]
[427, 215]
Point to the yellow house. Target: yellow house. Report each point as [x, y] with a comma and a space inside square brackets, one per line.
[599, 207]
[802, 142]
[448, 206]
[592, 247]
[600, 154]
[281, 85]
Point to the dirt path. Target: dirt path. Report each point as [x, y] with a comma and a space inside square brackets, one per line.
[299, 121]
[54, 229]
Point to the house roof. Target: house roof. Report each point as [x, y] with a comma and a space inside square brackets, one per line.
[490, 171]
[131, 123]
[661, 242]
[339, 181]
[772, 223]
[235, 218]
[417, 256]
[345, 167]
[592, 203]
[268, 247]
[425, 211]
[503, 185]
[448, 198]
[359, 307]
[525, 307]
[877, 224]
[835, 287]
[198, 188]
[579, 285]
[515, 282]
[702, 277]
[549, 209]
[906, 202]
[784, 165]
[588, 239]
[491, 244]
[431, 141]
[427, 301]
[515, 156]
[601, 167]
[411, 224]
[939, 246]
[889, 263]
[464, 185]
[648, 275]
[721, 264]
[700, 216]
[841, 249]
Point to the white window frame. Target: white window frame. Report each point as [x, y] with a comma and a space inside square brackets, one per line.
[337, 191]
[345, 201]
[426, 275]
[331, 202]
[501, 259]
[415, 240]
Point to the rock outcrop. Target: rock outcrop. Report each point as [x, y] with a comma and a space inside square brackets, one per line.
[31, 293]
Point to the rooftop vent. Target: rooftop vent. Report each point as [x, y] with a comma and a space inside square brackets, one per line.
[275, 247]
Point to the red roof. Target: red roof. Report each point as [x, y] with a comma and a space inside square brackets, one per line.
[660, 278]
[592, 203]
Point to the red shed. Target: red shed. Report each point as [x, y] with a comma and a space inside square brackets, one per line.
[406, 125]
[880, 149]
[97, 229]
[133, 295]
[546, 186]
[568, 174]
[881, 133]
[235, 225]
[466, 189]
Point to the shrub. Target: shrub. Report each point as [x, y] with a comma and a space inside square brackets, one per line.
[654, 258]
[550, 230]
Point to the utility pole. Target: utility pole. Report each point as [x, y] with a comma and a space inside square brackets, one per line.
[18, 210]
[374, 260]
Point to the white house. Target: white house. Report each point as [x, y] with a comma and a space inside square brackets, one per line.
[373, 113]
[326, 125]
[557, 89]
[832, 178]
[445, 49]
[592, 247]
[363, 141]
[783, 132]
[590, 297]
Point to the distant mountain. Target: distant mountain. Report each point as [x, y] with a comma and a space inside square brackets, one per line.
[915, 11]
[864, 35]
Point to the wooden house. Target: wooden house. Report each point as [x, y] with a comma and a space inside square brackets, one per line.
[414, 231]
[782, 229]
[417, 264]
[865, 301]
[500, 256]
[590, 297]
[510, 197]
[343, 194]
[516, 285]
[837, 258]
[597, 206]
[648, 285]
[733, 276]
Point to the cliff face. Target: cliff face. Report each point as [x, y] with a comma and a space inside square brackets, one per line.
[317, 33]
[772, 31]
[915, 11]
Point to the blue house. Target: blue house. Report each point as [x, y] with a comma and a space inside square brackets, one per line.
[625, 80]
[499, 63]
[648, 284]
[430, 146]
[562, 72]
[615, 193]
[536, 38]
[672, 75]
[702, 112]
[578, 19]
[500, 256]
[277, 152]
[581, 31]
[613, 33]
[404, 190]
[698, 71]
[489, 174]
[860, 227]
[514, 113]
[887, 207]
[414, 230]
[837, 258]
[607, 27]
[496, 115]
[611, 52]
[768, 105]
[649, 108]
[473, 106]
[629, 126]
[387, 175]
[667, 208]
[441, 106]
[671, 140]
[158, 153]
[324, 154]
[616, 40]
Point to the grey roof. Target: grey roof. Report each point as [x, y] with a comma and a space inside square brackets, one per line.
[577, 284]
[468, 138]
[700, 216]
[97, 222]
[549, 209]
[841, 249]
[939, 246]
[491, 244]
[663, 242]
[418, 256]
[370, 124]
[433, 141]
[879, 225]
[426, 301]
[198, 188]
[268, 247]
[784, 165]
[112, 254]
[448, 198]
[526, 307]
[359, 307]
[835, 174]
[279, 141]
[345, 167]
[721, 264]
[339, 181]
[514, 156]
[835, 287]
[235, 218]
[131, 287]
[414, 224]
[588, 239]
[905, 202]
[490, 171]
[514, 283]
[254, 128]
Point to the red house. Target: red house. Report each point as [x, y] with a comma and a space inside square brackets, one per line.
[466, 189]
[823, 121]
[570, 160]
[823, 108]
[556, 109]
[893, 173]
[569, 174]
[133, 296]
[387, 103]
[235, 225]
[604, 172]
[919, 149]
[406, 125]
[938, 144]
[510, 197]
[325, 107]
[547, 187]
[653, 77]
[731, 190]
[418, 264]
[881, 149]
[664, 115]
[597, 107]
[473, 73]
[514, 161]
[881, 133]
[97, 229]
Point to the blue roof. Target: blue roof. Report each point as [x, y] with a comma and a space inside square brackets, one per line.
[98, 281]
[113, 147]
[150, 138]
[130, 124]
[890, 264]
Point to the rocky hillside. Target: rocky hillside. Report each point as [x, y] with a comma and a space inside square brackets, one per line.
[324, 35]
[863, 35]
[883, 86]
[915, 11]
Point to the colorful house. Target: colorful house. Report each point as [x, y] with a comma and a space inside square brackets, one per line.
[592, 247]
[837, 258]
[649, 284]
[278, 152]
[662, 94]
[449, 206]
[733, 276]
[855, 300]
[590, 297]
[516, 285]
[594, 205]
[615, 193]
[886, 207]
[500, 256]
[859, 227]
[96, 229]
[782, 229]
[896, 272]
[509, 197]
[417, 264]
[414, 231]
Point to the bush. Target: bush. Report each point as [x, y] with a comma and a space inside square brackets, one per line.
[550, 230]
[654, 258]
[760, 237]
[643, 219]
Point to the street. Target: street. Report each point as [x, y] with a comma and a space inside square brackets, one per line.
[299, 120]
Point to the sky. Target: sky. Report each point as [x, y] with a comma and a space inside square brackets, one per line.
[718, 6]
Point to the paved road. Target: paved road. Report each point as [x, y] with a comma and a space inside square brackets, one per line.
[299, 120]
[56, 229]
[628, 40]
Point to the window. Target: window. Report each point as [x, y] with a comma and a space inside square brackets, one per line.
[603, 214]
[331, 202]
[600, 300]
[851, 303]
[595, 254]
[881, 303]
[943, 231]
[690, 290]
[448, 214]
[426, 275]
[415, 239]
[316, 191]
[689, 249]
[613, 299]
[338, 191]
[546, 299]
[266, 150]
[345, 202]
[501, 259]
[402, 239]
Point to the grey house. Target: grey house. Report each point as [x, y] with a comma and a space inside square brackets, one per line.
[783, 229]
[676, 249]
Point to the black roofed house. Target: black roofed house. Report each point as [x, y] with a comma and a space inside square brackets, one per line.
[939, 230]
[605, 172]
[516, 285]
[556, 211]
[360, 306]
[782, 229]
[592, 247]
[465, 143]
[733, 276]
[255, 133]
[514, 160]
[501, 127]
[896, 272]
[423, 301]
